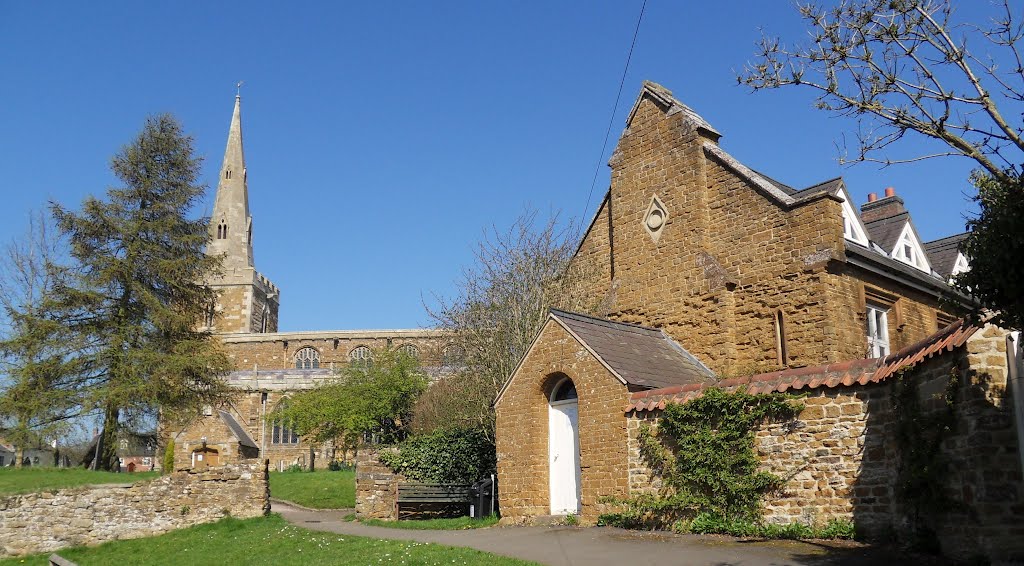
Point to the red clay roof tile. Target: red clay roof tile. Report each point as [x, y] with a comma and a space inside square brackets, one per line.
[846, 373]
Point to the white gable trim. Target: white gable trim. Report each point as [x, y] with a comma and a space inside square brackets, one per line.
[858, 234]
[961, 265]
[908, 237]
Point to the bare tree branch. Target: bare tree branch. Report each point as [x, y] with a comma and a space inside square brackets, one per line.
[905, 66]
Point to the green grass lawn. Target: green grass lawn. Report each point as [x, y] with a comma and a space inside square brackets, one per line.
[456, 524]
[28, 480]
[266, 540]
[317, 490]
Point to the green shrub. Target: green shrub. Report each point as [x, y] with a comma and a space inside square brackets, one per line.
[444, 456]
[169, 458]
[294, 468]
[338, 466]
[710, 523]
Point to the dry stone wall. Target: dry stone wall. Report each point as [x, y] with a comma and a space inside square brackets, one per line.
[376, 487]
[48, 521]
[841, 456]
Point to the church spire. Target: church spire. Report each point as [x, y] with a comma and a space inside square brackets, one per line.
[231, 225]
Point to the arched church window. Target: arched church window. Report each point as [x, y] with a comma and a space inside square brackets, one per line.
[283, 431]
[360, 356]
[452, 355]
[222, 231]
[410, 350]
[264, 322]
[307, 358]
[227, 174]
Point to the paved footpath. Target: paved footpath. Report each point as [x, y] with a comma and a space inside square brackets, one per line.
[578, 546]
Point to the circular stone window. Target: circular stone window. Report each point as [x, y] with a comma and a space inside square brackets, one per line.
[655, 219]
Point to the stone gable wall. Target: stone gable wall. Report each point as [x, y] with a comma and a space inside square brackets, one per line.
[522, 422]
[729, 258]
[841, 456]
[49, 521]
[218, 437]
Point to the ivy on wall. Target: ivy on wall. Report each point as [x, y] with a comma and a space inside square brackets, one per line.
[704, 453]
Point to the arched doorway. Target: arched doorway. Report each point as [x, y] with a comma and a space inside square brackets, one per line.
[564, 448]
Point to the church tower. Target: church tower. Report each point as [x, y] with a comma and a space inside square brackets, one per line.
[248, 301]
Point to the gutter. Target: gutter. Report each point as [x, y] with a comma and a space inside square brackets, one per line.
[862, 261]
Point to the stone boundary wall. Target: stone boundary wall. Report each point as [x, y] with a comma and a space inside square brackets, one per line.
[841, 456]
[376, 487]
[48, 521]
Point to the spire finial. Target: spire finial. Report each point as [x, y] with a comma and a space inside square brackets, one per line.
[239, 87]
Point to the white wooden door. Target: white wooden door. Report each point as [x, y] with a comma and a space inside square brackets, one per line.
[564, 457]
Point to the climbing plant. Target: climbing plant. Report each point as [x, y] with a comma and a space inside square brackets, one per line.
[704, 452]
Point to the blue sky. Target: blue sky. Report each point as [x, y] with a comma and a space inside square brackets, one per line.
[382, 138]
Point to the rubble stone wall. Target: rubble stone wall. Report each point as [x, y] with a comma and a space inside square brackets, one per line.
[841, 456]
[51, 520]
[376, 487]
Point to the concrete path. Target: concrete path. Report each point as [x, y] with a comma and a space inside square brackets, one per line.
[572, 546]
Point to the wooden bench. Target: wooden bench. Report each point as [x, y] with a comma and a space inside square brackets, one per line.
[412, 493]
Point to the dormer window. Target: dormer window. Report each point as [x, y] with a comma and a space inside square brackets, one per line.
[852, 228]
[227, 174]
[222, 231]
[961, 266]
[909, 251]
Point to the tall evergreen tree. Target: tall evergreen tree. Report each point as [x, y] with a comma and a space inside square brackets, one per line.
[137, 293]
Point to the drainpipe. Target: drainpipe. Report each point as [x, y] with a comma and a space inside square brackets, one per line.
[263, 424]
[1015, 379]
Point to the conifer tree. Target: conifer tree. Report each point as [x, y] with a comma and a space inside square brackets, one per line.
[136, 292]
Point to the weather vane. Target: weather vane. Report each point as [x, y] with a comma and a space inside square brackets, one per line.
[239, 87]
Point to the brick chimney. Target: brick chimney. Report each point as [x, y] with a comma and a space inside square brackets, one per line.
[878, 208]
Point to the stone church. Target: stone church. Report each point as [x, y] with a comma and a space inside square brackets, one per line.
[714, 274]
[271, 365]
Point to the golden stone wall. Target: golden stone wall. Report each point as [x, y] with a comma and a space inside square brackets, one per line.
[522, 422]
[730, 258]
[841, 456]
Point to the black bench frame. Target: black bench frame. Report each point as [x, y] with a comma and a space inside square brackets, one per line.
[446, 493]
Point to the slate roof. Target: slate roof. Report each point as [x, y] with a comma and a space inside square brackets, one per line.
[943, 253]
[886, 231]
[853, 372]
[639, 355]
[243, 437]
[830, 186]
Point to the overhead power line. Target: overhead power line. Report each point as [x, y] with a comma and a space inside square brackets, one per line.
[611, 119]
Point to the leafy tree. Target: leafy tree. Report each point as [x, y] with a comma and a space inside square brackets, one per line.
[503, 300]
[38, 398]
[372, 398]
[136, 287]
[911, 67]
